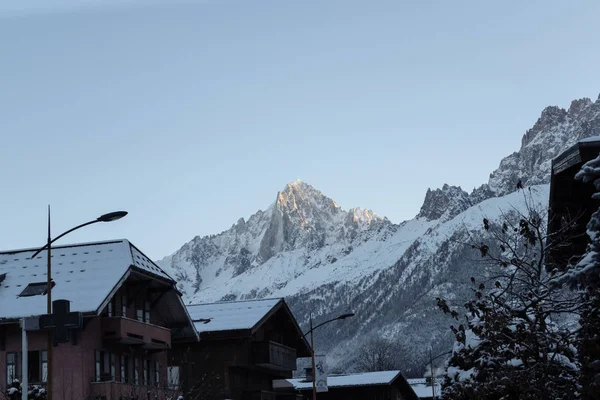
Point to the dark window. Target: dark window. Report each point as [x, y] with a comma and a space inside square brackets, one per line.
[146, 364]
[124, 306]
[156, 374]
[11, 368]
[35, 289]
[136, 371]
[34, 366]
[147, 311]
[111, 308]
[124, 369]
[104, 366]
[44, 366]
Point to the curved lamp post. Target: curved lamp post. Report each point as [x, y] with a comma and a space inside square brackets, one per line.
[312, 344]
[113, 216]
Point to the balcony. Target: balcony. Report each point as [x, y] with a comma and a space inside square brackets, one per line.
[132, 332]
[274, 356]
[121, 391]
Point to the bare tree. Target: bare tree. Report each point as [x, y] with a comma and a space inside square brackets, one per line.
[377, 354]
[514, 337]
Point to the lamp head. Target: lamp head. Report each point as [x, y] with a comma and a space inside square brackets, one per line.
[113, 216]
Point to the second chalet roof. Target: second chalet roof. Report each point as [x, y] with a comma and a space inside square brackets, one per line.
[230, 315]
[85, 274]
[360, 379]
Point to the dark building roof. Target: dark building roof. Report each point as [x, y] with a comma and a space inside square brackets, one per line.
[243, 318]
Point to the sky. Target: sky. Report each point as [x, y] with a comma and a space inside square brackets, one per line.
[192, 114]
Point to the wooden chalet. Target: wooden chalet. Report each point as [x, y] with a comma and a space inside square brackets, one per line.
[132, 315]
[571, 201]
[243, 347]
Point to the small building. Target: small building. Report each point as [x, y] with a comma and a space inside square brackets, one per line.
[383, 385]
[423, 389]
[132, 315]
[243, 347]
[571, 201]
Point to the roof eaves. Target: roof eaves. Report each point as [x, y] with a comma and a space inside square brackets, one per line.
[268, 314]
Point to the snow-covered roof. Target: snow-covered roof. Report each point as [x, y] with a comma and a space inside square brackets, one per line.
[230, 315]
[361, 379]
[423, 390]
[85, 274]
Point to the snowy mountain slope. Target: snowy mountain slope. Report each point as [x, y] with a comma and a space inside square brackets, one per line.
[327, 260]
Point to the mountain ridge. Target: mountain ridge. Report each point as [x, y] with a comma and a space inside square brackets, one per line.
[326, 260]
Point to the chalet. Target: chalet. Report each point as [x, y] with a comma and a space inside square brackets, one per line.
[132, 314]
[571, 202]
[383, 385]
[243, 347]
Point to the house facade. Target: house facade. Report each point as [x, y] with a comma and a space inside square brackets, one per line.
[243, 347]
[132, 316]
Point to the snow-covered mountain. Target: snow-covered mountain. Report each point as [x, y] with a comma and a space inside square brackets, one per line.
[327, 260]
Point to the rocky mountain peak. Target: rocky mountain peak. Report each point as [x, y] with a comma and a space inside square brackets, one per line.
[577, 106]
[444, 203]
[550, 116]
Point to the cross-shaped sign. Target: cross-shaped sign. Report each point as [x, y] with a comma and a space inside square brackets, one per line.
[61, 322]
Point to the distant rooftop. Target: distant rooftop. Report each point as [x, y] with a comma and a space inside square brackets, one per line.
[423, 390]
[84, 274]
[230, 315]
[360, 379]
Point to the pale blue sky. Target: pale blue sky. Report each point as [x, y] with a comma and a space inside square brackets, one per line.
[190, 115]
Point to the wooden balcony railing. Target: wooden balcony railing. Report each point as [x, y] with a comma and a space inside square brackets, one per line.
[274, 356]
[132, 332]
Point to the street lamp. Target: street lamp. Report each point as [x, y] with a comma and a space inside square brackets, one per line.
[312, 345]
[110, 217]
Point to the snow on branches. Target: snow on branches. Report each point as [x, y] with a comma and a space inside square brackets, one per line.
[515, 339]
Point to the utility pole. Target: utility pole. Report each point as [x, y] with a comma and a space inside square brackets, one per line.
[24, 362]
[432, 377]
[49, 310]
[314, 372]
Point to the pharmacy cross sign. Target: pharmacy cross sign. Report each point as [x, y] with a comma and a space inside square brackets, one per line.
[61, 322]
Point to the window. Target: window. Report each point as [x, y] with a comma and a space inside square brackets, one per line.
[156, 374]
[136, 371]
[34, 366]
[11, 368]
[111, 308]
[143, 312]
[124, 369]
[146, 364]
[173, 377]
[44, 366]
[147, 311]
[124, 306]
[35, 289]
[104, 366]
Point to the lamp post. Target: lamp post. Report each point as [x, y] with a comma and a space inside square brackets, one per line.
[113, 216]
[431, 366]
[312, 345]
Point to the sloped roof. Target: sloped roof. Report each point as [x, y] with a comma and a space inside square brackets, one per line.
[230, 315]
[85, 274]
[360, 379]
[423, 390]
